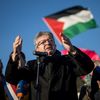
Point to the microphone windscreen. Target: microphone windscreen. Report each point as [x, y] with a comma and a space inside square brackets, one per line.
[37, 53]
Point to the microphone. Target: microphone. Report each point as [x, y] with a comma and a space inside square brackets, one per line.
[37, 53]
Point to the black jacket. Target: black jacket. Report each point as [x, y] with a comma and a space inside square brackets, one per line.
[57, 75]
[95, 90]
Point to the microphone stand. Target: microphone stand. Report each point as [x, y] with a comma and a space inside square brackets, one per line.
[37, 79]
[39, 56]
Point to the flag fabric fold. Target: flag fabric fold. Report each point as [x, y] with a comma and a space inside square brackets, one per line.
[70, 21]
[10, 90]
[92, 54]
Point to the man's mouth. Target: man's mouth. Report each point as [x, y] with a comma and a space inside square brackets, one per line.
[48, 48]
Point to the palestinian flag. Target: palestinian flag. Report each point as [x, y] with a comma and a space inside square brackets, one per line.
[70, 21]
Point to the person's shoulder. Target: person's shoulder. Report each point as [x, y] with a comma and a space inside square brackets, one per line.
[30, 64]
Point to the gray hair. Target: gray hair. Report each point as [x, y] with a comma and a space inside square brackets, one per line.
[41, 33]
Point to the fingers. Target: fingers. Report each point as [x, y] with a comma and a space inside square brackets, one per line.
[18, 40]
[66, 42]
[64, 38]
[17, 44]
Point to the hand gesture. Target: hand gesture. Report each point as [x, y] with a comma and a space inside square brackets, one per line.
[67, 43]
[17, 47]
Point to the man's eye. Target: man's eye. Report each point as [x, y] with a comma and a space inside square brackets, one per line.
[42, 42]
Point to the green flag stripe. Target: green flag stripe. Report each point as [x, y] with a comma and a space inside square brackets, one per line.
[79, 27]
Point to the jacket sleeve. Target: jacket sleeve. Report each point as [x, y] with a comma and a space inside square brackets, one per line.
[83, 63]
[10, 70]
[13, 74]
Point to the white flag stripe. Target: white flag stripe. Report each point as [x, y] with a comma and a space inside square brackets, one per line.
[83, 16]
[11, 91]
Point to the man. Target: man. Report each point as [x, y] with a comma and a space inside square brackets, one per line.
[2, 91]
[52, 76]
[95, 82]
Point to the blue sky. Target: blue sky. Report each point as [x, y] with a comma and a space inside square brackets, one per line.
[24, 18]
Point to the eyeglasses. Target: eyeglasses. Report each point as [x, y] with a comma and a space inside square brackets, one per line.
[43, 42]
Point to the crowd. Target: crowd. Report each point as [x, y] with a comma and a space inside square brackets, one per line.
[52, 76]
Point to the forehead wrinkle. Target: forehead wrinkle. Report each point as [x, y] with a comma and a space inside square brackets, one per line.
[44, 37]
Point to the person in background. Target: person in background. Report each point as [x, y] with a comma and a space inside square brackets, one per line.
[52, 76]
[95, 82]
[97, 94]
[2, 91]
[85, 87]
[85, 90]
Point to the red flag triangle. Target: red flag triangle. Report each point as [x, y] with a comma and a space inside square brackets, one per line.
[55, 26]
